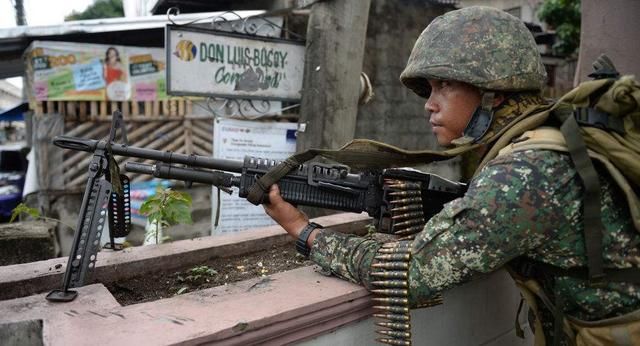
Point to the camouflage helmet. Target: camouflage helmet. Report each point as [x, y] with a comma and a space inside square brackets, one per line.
[482, 46]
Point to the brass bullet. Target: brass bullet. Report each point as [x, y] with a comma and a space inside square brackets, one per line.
[411, 200]
[391, 265]
[414, 214]
[395, 301]
[405, 193]
[394, 325]
[406, 185]
[410, 230]
[392, 250]
[393, 317]
[396, 342]
[412, 222]
[396, 309]
[391, 283]
[391, 292]
[394, 257]
[409, 207]
[395, 334]
[390, 275]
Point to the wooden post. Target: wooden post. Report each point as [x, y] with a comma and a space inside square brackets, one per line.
[188, 136]
[135, 110]
[147, 108]
[125, 109]
[93, 110]
[83, 111]
[156, 108]
[103, 109]
[336, 35]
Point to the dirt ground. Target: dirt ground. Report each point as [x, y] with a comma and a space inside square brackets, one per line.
[215, 272]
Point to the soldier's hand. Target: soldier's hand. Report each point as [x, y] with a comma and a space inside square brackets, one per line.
[285, 214]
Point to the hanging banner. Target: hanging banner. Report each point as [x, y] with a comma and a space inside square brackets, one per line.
[206, 62]
[233, 140]
[60, 71]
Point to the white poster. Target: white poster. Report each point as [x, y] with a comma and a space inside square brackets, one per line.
[233, 140]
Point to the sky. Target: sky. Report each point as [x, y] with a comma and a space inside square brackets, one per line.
[39, 12]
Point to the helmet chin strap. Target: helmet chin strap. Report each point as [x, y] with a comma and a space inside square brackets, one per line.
[480, 121]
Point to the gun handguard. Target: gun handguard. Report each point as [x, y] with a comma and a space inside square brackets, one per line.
[314, 185]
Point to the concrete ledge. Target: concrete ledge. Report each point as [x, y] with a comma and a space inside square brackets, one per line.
[25, 279]
[27, 241]
[275, 310]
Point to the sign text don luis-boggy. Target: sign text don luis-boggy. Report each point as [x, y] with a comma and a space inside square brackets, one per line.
[215, 63]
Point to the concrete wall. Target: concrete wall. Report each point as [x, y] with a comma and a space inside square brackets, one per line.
[395, 115]
[527, 8]
[609, 27]
[479, 313]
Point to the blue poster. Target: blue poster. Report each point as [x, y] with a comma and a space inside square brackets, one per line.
[88, 76]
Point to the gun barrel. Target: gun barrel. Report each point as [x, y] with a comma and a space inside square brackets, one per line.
[166, 171]
[90, 145]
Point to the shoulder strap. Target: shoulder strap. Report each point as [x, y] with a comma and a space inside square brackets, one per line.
[591, 204]
[550, 138]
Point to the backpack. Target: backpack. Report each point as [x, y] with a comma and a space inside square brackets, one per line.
[598, 120]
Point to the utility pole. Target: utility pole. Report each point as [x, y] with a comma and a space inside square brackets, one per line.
[336, 35]
[20, 17]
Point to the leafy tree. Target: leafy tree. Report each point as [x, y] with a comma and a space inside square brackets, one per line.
[564, 17]
[99, 9]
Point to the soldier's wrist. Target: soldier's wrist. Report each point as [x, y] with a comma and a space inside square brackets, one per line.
[305, 238]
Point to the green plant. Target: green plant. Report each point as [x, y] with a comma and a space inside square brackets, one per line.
[167, 207]
[199, 272]
[34, 213]
[24, 209]
[564, 17]
[195, 275]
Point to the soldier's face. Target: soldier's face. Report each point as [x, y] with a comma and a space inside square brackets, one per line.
[449, 108]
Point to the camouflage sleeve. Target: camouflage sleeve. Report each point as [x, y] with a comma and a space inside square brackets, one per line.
[504, 214]
[345, 255]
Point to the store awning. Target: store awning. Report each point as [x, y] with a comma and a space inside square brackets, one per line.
[15, 113]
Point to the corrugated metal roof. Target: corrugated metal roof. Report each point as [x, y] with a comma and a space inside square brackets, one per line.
[142, 31]
[111, 24]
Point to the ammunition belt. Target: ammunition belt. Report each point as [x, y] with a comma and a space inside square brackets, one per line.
[391, 265]
[407, 215]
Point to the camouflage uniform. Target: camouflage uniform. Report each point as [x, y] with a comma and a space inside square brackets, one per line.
[526, 203]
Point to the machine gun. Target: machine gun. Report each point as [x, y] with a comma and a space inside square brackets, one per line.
[399, 200]
[376, 192]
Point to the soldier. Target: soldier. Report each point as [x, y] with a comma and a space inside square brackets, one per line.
[481, 73]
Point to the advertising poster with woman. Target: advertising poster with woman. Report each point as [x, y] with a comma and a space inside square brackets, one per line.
[65, 71]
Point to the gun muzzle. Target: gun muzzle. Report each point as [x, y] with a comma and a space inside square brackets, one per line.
[73, 143]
